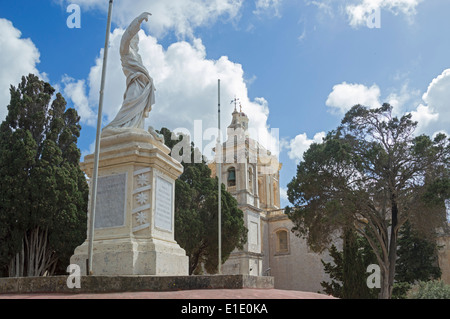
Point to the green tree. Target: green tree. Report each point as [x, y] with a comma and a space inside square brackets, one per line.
[433, 289]
[373, 174]
[334, 270]
[196, 211]
[43, 192]
[348, 269]
[417, 260]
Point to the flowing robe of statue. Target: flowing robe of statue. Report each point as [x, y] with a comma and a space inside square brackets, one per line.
[140, 91]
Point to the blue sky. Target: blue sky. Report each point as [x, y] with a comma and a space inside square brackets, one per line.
[296, 65]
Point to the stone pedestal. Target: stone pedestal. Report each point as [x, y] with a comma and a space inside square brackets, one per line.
[134, 221]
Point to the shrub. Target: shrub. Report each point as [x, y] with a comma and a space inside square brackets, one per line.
[435, 289]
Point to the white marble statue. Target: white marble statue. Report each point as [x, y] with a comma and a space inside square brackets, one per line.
[140, 91]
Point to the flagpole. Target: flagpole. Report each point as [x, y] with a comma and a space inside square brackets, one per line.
[97, 147]
[219, 173]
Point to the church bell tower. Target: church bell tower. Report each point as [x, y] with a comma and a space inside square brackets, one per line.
[245, 177]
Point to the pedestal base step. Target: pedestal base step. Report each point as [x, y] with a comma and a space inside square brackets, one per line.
[109, 284]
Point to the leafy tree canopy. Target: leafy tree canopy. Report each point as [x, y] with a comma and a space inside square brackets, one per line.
[43, 192]
[372, 174]
[196, 212]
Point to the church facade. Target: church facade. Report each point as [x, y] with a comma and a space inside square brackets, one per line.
[251, 174]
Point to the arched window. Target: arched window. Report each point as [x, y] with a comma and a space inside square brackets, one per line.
[231, 179]
[282, 244]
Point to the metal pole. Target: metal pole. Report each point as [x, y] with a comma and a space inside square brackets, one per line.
[219, 172]
[97, 146]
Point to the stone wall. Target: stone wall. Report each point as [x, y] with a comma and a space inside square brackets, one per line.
[297, 267]
[109, 284]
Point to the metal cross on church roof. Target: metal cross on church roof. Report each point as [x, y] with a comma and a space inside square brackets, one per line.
[235, 100]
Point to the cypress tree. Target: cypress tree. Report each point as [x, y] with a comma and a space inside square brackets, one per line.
[348, 270]
[43, 192]
[196, 212]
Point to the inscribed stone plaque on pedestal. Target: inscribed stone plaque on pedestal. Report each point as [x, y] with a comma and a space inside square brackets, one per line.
[163, 204]
[111, 199]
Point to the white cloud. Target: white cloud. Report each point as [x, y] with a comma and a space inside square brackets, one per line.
[284, 201]
[344, 96]
[76, 91]
[88, 151]
[358, 14]
[325, 8]
[434, 115]
[300, 144]
[18, 58]
[302, 36]
[402, 100]
[186, 88]
[271, 7]
[180, 16]
[424, 116]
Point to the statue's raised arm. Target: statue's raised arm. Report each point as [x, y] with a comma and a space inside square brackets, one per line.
[131, 32]
[140, 92]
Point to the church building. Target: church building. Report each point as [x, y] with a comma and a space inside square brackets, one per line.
[251, 174]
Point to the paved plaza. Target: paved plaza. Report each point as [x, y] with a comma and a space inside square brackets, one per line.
[245, 293]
